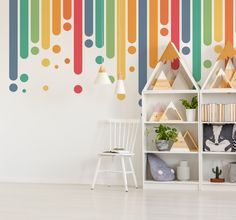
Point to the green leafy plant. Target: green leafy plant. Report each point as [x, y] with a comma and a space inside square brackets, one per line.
[190, 105]
[164, 132]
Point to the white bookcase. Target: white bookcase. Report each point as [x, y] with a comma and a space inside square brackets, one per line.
[200, 162]
[185, 88]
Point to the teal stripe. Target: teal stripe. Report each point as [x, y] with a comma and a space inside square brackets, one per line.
[99, 32]
[110, 28]
[196, 40]
[207, 18]
[24, 26]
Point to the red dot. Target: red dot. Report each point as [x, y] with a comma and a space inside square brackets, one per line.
[78, 89]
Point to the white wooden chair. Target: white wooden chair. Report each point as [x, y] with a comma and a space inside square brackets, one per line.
[121, 134]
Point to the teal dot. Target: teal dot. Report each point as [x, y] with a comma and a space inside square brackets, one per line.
[24, 77]
[99, 59]
[207, 63]
[24, 90]
[112, 78]
[34, 50]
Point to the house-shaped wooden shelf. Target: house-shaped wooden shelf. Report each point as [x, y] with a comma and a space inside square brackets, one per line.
[223, 74]
[166, 78]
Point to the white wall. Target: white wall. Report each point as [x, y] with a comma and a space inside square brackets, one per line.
[49, 136]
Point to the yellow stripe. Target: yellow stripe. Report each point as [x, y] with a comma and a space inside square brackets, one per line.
[218, 17]
[121, 39]
[45, 24]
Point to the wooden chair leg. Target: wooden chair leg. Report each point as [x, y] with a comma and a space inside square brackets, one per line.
[133, 172]
[96, 173]
[124, 173]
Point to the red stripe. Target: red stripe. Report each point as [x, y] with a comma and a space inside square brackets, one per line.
[78, 51]
[175, 28]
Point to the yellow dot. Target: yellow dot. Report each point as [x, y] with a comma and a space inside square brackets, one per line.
[56, 49]
[45, 62]
[132, 69]
[121, 96]
[45, 88]
[218, 48]
[56, 66]
[131, 49]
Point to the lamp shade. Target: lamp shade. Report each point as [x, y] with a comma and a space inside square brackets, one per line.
[120, 87]
[102, 77]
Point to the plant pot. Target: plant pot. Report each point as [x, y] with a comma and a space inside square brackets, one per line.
[191, 114]
[163, 145]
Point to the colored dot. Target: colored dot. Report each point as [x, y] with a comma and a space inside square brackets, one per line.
[164, 31]
[132, 69]
[140, 102]
[56, 66]
[132, 49]
[218, 48]
[99, 59]
[13, 87]
[67, 26]
[112, 78]
[24, 90]
[78, 89]
[45, 88]
[121, 96]
[34, 50]
[67, 60]
[45, 62]
[24, 77]
[56, 49]
[185, 50]
[88, 43]
[207, 63]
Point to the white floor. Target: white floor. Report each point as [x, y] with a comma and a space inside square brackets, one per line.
[75, 202]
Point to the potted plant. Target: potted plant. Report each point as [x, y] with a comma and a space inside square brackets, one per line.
[165, 137]
[190, 108]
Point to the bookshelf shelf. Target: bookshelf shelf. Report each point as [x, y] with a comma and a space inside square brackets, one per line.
[170, 122]
[168, 152]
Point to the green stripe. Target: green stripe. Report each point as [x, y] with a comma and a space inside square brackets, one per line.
[196, 40]
[110, 26]
[35, 21]
[207, 17]
[99, 37]
[24, 26]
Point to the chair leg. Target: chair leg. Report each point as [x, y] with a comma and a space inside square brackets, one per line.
[124, 173]
[133, 173]
[96, 173]
[112, 164]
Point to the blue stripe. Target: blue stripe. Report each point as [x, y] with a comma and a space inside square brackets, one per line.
[89, 18]
[142, 43]
[186, 21]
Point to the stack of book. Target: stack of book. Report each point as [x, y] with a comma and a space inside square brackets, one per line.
[218, 112]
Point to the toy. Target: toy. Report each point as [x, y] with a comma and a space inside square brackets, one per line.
[159, 169]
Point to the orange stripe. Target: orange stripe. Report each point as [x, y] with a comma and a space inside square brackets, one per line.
[67, 9]
[132, 21]
[56, 17]
[153, 38]
[164, 12]
[229, 21]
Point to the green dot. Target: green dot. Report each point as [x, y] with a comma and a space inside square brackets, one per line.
[112, 78]
[34, 50]
[207, 63]
[24, 90]
[99, 59]
[24, 77]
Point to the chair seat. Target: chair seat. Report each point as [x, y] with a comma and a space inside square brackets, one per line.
[116, 154]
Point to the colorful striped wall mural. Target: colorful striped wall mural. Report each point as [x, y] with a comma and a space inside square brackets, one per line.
[122, 29]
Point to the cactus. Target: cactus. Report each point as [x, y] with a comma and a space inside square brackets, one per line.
[217, 172]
